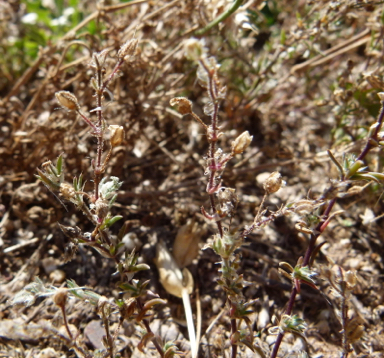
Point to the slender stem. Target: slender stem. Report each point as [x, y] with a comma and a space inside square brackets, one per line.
[212, 134]
[344, 314]
[317, 232]
[276, 347]
[234, 330]
[344, 318]
[100, 139]
[66, 322]
[369, 145]
[101, 87]
[220, 18]
[113, 73]
[307, 257]
[218, 223]
[257, 217]
[89, 122]
[106, 160]
[108, 334]
[84, 208]
[190, 324]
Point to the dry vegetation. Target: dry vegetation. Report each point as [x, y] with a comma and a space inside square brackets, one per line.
[302, 78]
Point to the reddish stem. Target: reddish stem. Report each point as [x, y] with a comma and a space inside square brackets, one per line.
[321, 227]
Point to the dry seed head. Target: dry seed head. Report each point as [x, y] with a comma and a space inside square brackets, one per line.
[102, 208]
[128, 49]
[228, 200]
[241, 143]
[101, 303]
[350, 279]
[98, 59]
[273, 183]
[67, 100]
[117, 135]
[67, 191]
[60, 297]
[184, 105]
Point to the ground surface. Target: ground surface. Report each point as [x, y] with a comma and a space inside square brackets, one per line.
[302, 78]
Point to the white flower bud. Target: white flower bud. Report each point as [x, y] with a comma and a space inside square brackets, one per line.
[194, 49]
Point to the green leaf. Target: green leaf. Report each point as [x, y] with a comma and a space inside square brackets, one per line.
[59, 164]
[113, 199]
[366, 176]
[128, 288]
[108, 222]
[283, 37]
[43, 178]
[141, 267]
[122, 232]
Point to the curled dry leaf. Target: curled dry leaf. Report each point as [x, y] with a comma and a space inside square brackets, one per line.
[171, 276]
[179, 284]
[186, 245]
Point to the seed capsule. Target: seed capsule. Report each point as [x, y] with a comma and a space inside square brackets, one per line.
[60, 297]
[273, 183]
[128, 49]
[117, 135]
[67, 100]
[184, 105]
[241, 143]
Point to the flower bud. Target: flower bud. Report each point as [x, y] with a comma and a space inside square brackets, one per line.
[273, 183]
[241, 143]
[128, 49]
[67, 100]
[117, 135]
[184, 105]
[194, 49]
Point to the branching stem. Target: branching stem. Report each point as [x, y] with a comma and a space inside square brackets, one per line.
[320, 227]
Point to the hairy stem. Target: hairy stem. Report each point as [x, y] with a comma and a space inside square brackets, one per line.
[370, 141]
